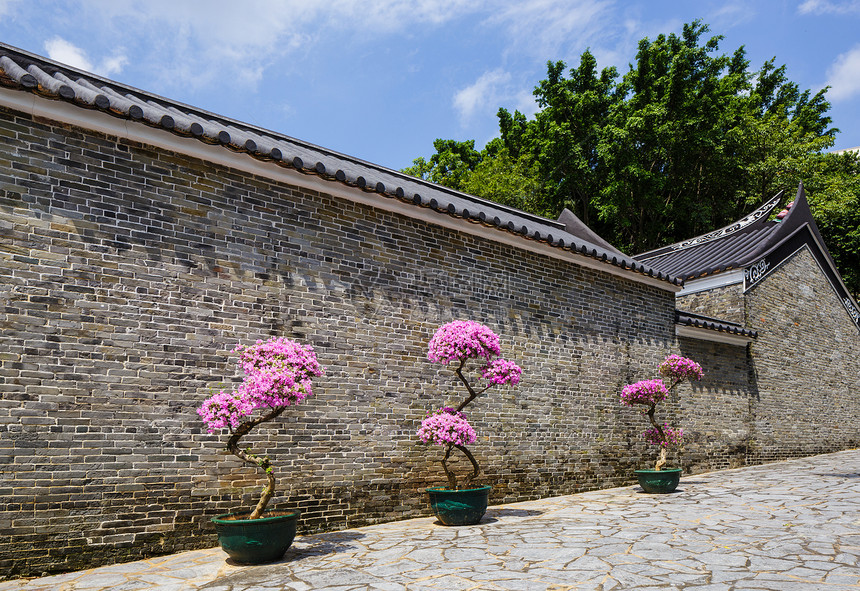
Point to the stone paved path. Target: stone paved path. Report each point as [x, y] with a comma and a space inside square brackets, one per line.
[784, 526]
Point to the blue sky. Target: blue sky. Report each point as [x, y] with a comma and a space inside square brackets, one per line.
[381, 79]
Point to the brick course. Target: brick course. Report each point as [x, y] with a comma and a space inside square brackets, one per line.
[725, 303]
[127, 274]
[804, 364]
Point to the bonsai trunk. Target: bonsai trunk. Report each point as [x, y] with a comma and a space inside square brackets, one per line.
[662, 461]
[452, 479]
[255, 460]
[663, 451]
[472, 393]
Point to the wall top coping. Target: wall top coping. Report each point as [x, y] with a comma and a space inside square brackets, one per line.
[45, 88]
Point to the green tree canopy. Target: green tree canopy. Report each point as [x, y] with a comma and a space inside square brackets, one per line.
[452, 162]
[687, 140]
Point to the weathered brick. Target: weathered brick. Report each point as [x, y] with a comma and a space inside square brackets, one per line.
[147, 267]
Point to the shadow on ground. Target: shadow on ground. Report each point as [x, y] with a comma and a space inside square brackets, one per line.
[316, 545]
[496, 513]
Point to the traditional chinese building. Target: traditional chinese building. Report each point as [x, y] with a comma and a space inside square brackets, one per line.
[141, 239]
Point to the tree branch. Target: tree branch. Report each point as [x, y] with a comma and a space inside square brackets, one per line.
[662, 461]
[476, 468]
[452, 479]
[255, 460]
[472, 393]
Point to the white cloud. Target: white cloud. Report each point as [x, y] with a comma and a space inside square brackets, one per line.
[60, 50]
[844, 76]
[396, 15]
[485, 92]
[552, 27]
[731, 14]
[112, 65]
[197, 42]
[829, 7]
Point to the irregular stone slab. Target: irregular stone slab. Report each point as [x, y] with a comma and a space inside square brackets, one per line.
[759, 528]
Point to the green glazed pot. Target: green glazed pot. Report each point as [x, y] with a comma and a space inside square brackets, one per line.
[659, 481]
[255, 541]
[459, 507]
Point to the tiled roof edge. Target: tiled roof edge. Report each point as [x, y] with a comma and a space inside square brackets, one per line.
[31, 73]
[706, 322]
[760, 213]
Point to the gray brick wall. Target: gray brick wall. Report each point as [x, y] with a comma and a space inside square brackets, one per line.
[800, 394]
[804, 363]
[725, 303]
[128, 273]
[715, 412]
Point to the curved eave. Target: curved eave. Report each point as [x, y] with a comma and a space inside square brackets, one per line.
[688, 324]
[705, 334]
[222, 141]
[807, 236]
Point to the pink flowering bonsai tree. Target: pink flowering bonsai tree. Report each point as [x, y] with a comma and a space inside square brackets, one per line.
[278, 374]
[458, 342]
[651, 392]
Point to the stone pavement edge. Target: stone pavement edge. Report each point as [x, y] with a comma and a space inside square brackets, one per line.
[792, 525]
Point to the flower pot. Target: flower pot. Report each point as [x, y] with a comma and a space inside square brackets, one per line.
[659, 481]
[255, 541]
[459, 507]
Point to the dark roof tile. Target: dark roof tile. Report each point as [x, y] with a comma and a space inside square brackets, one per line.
[730, 247]
[699, 321]
[24, 71]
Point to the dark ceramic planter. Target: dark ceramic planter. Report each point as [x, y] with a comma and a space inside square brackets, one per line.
[459, 507]
[255, 541]
[659, 481]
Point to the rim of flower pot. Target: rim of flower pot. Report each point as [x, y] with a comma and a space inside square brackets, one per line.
[653, 471]
[442, 489]
[222, 518]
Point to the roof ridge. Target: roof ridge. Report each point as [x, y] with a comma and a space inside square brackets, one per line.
[756, 215]
[26, 72]
[211, 117]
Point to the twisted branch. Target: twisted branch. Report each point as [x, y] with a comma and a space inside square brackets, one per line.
[663, 447]
[472, 393]
[452, 479]
[255, 460]
[662, 461]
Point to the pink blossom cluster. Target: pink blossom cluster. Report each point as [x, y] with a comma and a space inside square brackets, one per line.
[644, 392]
[280, 354]
[224, 409]
[500, 371]
[463, 339]
[447, 427]
[670, 436]
[278, 373]
[679, 368]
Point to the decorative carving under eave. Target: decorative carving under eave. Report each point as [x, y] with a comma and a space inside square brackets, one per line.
[852, 311]
[755, 273]
[753, 217]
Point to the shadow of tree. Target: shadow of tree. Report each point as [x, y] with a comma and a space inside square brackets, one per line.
[494, 515]
[254, 576]
[513, 512]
